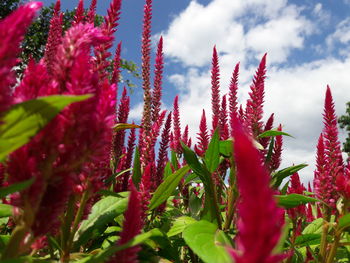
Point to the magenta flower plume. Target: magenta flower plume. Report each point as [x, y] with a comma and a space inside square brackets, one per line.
[185, 135]
[277, 152]
[92, 12]
[145, 188]
[128, 159]
[233, 96]
[296, 187]
[79, 13]
[175, 143]
[12, 30]
[132, 226]
[108, 28]
[163, 150]
[256, 239]
[224, 133]
[215, 89]
[254, 108]
[268, 126]
[343, 182]
[203, 136]
[158, 75]
[116, 67]
[54, 38]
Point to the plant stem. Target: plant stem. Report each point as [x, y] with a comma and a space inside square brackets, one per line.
[334, 247]
[13, 247]
[323, 245]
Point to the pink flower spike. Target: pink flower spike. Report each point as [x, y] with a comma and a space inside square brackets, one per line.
[203, 136]
[79, 13]
[176, 146]
[92, 12]
[296, 187]
[233, 96]
[215, 89]
[254, 108]
[277, 151]
[116, 68]
[256, 239]
[158, 75]
[57, 8]
[224, 133]
[268, 126]
[12, 30]
[132, 226]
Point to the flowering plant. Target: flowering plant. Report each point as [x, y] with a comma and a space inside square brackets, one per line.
[75, 187]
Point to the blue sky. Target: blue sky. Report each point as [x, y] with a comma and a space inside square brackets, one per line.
[308, 46]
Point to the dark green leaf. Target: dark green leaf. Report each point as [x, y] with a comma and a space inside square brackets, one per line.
[212, 155]
[124, 126]
[191, 177]
[278, 177]
[201, 237]
[15, 187]
[5, 210]
[136, 171]
[307, 240]
[102, 213]
[293, 200]
[24, 120]
[273, 133]
[167, 187]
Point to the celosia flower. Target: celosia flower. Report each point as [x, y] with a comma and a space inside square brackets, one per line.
[277, 151]
[92, 12]
[175, 142]
[224, 133]
[158, 75]
[256, 239]
[116, 66]
[296, 187]
[54, 38]
[79, 13]
[132, 226]
[203, 136]
[254, 108]
[12, 30]
[215, 89]
[268, 126]
[233, 96]
[343, 182]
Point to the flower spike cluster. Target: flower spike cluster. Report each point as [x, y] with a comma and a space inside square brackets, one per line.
[215, 90]
[256, 239]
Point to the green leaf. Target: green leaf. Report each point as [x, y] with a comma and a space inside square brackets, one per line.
[124, 126]
[5, 210]
[15, 187]
[190, 178]
[278, 177]
[307, 240]
[180, 224]
[105, 254]
[226, 148]
[136, 172]
[102, 213]
[201, 237]
[273, 133]
[212, 155]
[344, 221]
[293, 200]
[315, 227]
[167, 187]
[24, 120]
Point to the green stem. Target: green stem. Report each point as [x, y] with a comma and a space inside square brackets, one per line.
[334, 247]
[13, 247]
[323, 245]
[78, 216]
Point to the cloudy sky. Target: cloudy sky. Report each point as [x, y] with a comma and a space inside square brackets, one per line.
[307, 44]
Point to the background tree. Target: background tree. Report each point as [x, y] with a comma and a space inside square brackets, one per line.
[344, 122]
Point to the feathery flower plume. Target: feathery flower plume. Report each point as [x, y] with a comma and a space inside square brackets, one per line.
[255, 240]
[145, 188]
[203, 136]
[158, 75]
[54, 38]
[185, 135]
[215, 89]
[129, 155]
[224, 133]
[343, 182]
[108, 29]
[254, 108]
[92, 12]
[116, 67]
[175, 142]
[12, 30]
[79, 13]
[296, 187]
[277, 152]
[132, 226]
[163, 153]
[268, 126]
[233, 96]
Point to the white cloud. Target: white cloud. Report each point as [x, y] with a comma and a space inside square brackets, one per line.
[243, 30]
[342, 33]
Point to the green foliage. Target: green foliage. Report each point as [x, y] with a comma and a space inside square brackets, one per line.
[344, 122]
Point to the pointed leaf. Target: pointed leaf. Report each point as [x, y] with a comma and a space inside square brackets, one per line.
[226, 148]
[5, 210]
[293, 200]
[124, 126]
[344, 221]
[307, 240]
[278, 177]
[24, 120]
[273, 133]
[212, 157]
[315, 227]
[201, 238]
[5, 191]
[180, 224]
[136, 172]
[167, 187]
